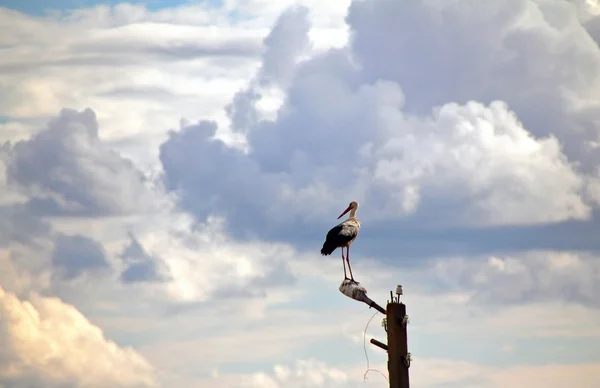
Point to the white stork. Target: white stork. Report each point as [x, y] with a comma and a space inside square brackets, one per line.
[342, 235]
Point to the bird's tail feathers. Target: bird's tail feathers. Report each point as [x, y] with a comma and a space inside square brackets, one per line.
[327, 249]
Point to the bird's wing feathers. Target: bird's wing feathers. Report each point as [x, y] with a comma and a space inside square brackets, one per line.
[343, 230]
[349, 230]
[335, 231]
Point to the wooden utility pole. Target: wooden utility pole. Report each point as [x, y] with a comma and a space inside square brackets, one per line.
[398, 356]
[395, 323]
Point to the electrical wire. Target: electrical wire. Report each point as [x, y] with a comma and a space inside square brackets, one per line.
[369, 369]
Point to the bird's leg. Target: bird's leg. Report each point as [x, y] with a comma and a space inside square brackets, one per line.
[348, 260]
[344, 264]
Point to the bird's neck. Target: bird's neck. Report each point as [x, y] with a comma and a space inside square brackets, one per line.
[352, 213]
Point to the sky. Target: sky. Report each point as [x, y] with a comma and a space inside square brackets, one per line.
[169, 171]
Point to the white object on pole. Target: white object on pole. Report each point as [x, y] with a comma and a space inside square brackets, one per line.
[399, 290]
[357, 292]
[353, 290]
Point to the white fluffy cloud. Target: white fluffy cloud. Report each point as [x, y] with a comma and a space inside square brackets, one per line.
[51, 344]
[355, 125]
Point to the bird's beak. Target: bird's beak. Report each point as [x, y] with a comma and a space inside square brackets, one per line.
[345, 211]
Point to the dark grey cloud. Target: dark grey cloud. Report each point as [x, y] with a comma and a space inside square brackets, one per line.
[141, 267]
[222, 177]
[75, 255]
[18, 225]
[67, 170]
[593, 27]
[141, 272]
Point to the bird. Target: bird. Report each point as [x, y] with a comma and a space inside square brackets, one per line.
[342, 235]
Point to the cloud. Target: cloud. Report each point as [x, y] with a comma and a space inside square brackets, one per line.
[165, 257]
[466, 164]
[75, 255]
[24, 269]
[283, 47]
[199, 55]
[141, 266]
[305, 373]
[174, 42]
[205, 264]
[200, 65]
[485, 52]
[84, 177]
[386, 125]
[442, 326]
[287, 40]
[425, 372]
[17, 224]
[81, 176]
[525, 278]
[588, 12]
[122, 30]
[51, 344]
[431, 373]
[438, 373]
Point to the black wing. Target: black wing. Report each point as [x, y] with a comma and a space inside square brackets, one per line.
[338, 236]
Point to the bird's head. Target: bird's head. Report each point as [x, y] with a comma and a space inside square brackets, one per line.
[353, 206]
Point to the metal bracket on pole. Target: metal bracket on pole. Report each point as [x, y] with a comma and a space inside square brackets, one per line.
[405, 320]
[379, 344]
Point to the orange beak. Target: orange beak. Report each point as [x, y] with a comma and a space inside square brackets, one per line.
[345, 211]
